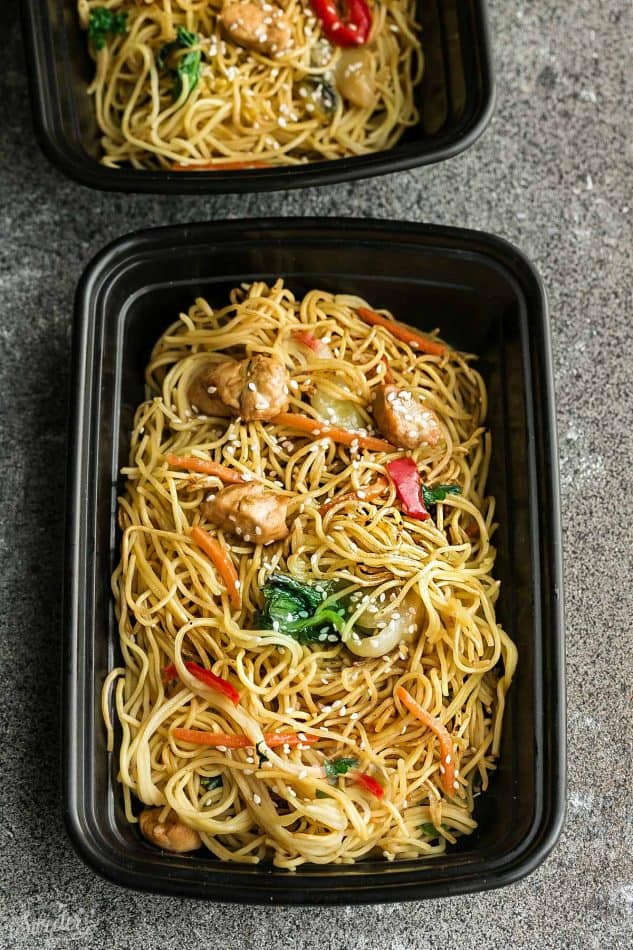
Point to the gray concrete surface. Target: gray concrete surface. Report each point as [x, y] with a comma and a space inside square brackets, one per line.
[553, 174]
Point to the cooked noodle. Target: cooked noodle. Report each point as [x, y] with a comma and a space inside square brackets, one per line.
[172, 604]
[247, 106]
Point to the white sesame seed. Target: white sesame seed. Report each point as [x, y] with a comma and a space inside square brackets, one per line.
[257, 800]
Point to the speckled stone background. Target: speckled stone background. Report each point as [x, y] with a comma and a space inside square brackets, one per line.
[553, 173]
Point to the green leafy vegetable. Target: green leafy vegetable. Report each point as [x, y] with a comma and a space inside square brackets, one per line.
[296, 609]
[429, 829]
[104, 23]
[209, 782]
[341, 766]
[431, 496]
[322, 97]
[261, 752]
[185, 70]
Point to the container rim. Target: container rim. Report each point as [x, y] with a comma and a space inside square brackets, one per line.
[87, 171]
[268, 889]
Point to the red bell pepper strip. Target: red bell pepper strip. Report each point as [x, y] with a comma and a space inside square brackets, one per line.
[345, 22]
[207, 677]
[370, 784]
[405, 476]
[306, 338]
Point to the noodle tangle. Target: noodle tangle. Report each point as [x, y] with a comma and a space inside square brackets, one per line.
[410, 602]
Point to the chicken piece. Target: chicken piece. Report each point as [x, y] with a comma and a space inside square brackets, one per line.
[170, 834]
[249, 511]
[403, 419]
[201, 394]
[255, 388]
[255, 27]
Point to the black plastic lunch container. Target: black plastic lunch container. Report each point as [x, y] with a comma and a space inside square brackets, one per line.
[487, 299]
[455, 99]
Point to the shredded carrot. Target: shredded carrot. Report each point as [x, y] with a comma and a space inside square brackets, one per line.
[320, 429]
[222, 561]
[405, 334]
[191, 464]
[447, 759]
[217, 166]
[232, 741]
[369, 493]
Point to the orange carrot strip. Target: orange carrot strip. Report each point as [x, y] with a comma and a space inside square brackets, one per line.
[447, 766]
[320, 429]
[218, 166]
[221, 560]
[405, 334]
[370, 493]
[191, 464]
[232, 741]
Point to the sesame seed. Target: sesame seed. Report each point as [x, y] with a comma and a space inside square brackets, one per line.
[257, 800]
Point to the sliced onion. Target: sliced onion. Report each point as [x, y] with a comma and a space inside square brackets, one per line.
[338, 412]
[405, 627]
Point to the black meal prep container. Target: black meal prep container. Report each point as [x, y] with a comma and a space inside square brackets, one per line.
[455, 98]
[487, 299]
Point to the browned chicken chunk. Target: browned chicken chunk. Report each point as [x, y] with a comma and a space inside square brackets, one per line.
[255, 388]
[250, 511]
[403, 419]
[170, 834]
[260, 27]
[202, 394]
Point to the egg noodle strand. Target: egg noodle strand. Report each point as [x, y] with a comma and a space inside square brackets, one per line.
[246, 106]
[173, 607]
